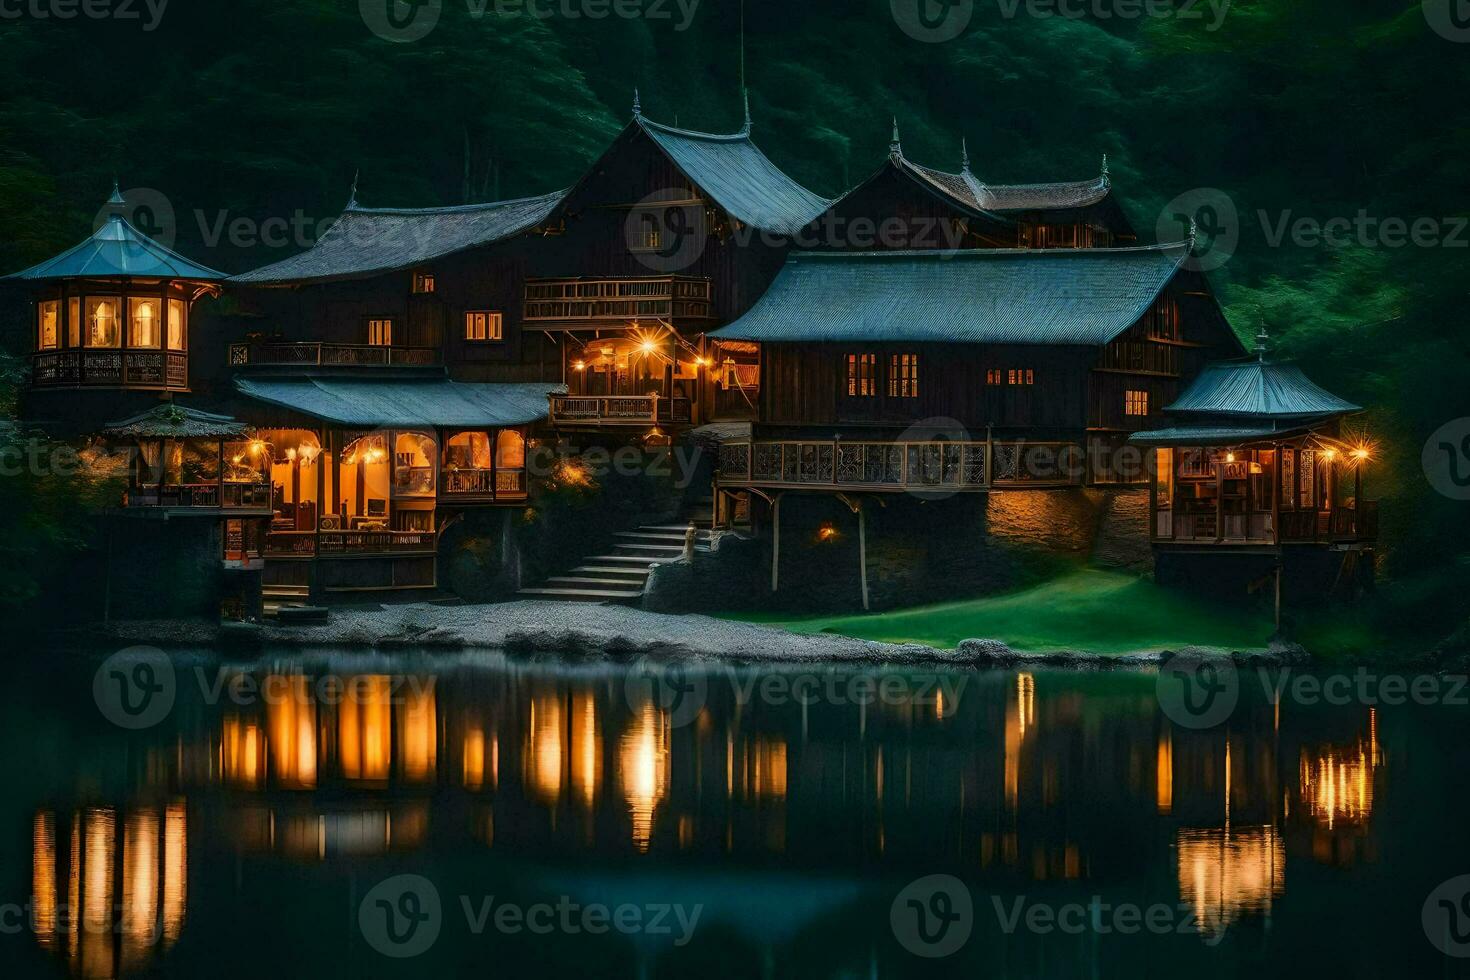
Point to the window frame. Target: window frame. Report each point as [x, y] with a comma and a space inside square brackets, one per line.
[371, 324]
[423, 283]
[134, 302]
[494, 326]
[56, 324]
[860, 384]
[118, 302]
[1135, 403]
[903, 376]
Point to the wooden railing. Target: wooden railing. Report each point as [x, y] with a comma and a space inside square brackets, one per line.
[484, 483]
[618, 300]
[900, 465]
[111, 368]
[1341, 525]
[312, 353]
[618, 410]
[308, 544]
[230, 496]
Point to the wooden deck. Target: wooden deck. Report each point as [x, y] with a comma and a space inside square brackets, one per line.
[316, 354]
[900, 466]
[618, 410]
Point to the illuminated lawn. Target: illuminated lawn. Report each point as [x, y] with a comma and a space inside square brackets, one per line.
[1088, 610]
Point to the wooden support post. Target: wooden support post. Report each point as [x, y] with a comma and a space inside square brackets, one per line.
[863, 552]
[775, 542]
[1220, 500]
[1278, 596]
[1279, 458]
[1153, 500]
[1358, 501]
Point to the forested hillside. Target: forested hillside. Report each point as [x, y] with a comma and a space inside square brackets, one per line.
[1315, 109]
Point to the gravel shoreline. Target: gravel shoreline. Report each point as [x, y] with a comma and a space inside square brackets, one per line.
[621, 633]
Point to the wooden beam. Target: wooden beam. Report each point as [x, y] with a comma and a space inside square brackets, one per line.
[863, 552]
[775, 542]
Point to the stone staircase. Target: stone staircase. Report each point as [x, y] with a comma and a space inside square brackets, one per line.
[622, 575]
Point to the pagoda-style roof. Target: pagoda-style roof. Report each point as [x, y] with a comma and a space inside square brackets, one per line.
[118, 250]
[1258, 389]
[994, 296]
[371, 241]
[737, 176]
[173, 421]
[968, 190]
[437, 403]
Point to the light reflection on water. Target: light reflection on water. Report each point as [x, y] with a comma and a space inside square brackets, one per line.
[1014, 781]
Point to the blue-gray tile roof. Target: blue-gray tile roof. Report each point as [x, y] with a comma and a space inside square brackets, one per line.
[117, 250]
[370, 241]
[1258, 389]
[997, 296]
[429, 404]
[739, 177]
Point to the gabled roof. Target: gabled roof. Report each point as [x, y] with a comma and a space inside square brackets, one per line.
[371, 241]
[173, 421]
[999, 296]
[370, 403]
[1258, 389]
[117, 250]
[738, 177]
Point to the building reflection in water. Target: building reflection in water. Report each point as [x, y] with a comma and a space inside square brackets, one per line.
[643, 767]
[124, 906]
[1078, 770]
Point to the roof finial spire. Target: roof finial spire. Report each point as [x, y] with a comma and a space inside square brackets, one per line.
[352, 197]
[1193, 232]
[1263, 344]
[637, 104]
[117, 197]
[747, 112]
[895, 148]
[964, 155]
[1106, 176]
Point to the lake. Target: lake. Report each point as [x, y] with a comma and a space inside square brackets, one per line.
[481, 815]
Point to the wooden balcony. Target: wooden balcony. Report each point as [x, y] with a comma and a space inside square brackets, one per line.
[203, 496]
[482, 485]
[618, 410]
[569, 303]
[144, 369]
[313, 354]
[1341, 526]
[364, 544]
[900, 466]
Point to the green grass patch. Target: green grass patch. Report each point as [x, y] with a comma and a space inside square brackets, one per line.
[1089, 610]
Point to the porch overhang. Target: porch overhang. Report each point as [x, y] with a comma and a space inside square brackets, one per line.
[1217, 435]
[405, 404]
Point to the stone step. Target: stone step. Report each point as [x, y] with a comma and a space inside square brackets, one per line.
[596, 583]
[657, 550]
[631, 573]
[657, 537]
[631, 561]
[580, 595]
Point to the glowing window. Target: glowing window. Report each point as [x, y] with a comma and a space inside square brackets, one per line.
[103, 329]
[50, 329]
[177, 332]
[380, 332]
[862, 371]
[482, 325]
[1135, 402]
[423, 282]
[903, 376]
[144, 321]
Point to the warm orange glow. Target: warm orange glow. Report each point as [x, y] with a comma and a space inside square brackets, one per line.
[1362, 453]
[1164, 773]
[1224, 873]
[644, 770]
[97, 894]
[473, 767]
[139, 887]
[364, 731]
[544, 753]
[579, 366]
[242, 753]
[175, 871]
[418, 734]
[1229, 457]
[586, 750]
[291, 720]
[43, 877]
[1329, 454]
[826, 532]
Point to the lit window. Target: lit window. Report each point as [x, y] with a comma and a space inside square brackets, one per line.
[903, 376]
[1135, 402]
[50, 335]
[650, 236]
[423, 282]
[176, 329]
[102, 322]
[994, 377]
[862, 370]
[380, 333]
[74, 322]
[483, 325]
[143, 322]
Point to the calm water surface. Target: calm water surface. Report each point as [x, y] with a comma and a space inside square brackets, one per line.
[753, 822]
